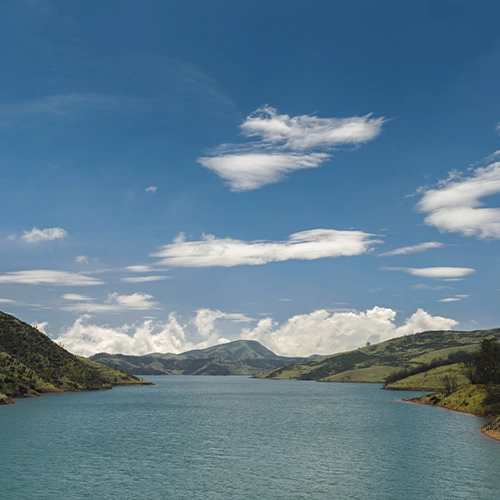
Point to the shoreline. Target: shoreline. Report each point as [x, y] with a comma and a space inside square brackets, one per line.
[10, 400]
[490, 429]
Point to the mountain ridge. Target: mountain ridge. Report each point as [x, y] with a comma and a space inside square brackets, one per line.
[240, 357]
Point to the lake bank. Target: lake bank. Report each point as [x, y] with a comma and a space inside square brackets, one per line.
[470, 400]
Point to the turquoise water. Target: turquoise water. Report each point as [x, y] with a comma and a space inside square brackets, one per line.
[240, 438]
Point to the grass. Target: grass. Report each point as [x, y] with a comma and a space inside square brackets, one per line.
[431, 380]
[375, 362]
[468, 399]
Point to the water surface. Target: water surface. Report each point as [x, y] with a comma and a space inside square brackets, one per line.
[241, 438]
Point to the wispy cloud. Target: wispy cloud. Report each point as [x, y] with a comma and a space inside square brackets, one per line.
[76, 297]
[82, 259]
[455, 205]
[62, 105]
[421, 247]
[285, 144]
[456, 298]
[228, 252]
[451, 273]
[48, 234]
[48, 277]
[253, 170]
[425, 286]
[116, 303]
[151, 189]
[144, 279]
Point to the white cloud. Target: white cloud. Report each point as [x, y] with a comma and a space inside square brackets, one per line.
[199, 332]
[205, 320]
[285, 300]
[40, 326]
[412, 249]
[456, 298]
[116, 303]
[455, 206]
[308, 132]
[76, 297]
[151, 189]
[144, 279]
[323, 332]
[227, 252]
[285, 144]
[82, 259]
[85, 338]
[253, 170]
[48, 277]
[451, 273]
[11, 237]
[51, 233]
[139, 269]
[7, 301]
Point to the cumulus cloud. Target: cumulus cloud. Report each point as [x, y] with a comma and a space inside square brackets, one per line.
[86, 338]
[144, 279]
[324, 332]
[48, 234]
[151, 189]
[40, 326]
[48, 277]
[451, 273]
[228, 252]
[285, 144]
[421, 247]
[116, 303]
[82, 259]
[455, 205]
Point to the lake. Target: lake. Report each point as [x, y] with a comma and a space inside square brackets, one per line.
[242, 438]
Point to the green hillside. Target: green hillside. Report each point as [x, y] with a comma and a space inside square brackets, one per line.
[375, 363]
[241, 357]
[31, 363]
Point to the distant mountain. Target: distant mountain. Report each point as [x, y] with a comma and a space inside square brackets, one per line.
[242, 357]
[31, 363]
[374, 363]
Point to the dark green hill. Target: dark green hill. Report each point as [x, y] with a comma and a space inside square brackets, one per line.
[375, 362]
[31, 363]
[242, 357]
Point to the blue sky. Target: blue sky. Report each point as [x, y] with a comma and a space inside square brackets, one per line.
[312, 175]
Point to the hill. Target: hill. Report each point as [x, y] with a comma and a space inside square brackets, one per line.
[241, 357]
[31, 363]
[374, 363]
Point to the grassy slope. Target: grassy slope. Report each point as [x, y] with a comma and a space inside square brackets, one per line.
[468, 399]
[31, 363]
[374, 363]
[431, 380]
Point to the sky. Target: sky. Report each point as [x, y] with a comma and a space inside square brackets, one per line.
[313, 174]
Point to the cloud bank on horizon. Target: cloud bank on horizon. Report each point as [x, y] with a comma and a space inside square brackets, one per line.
[319, 332]
[285, 144]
